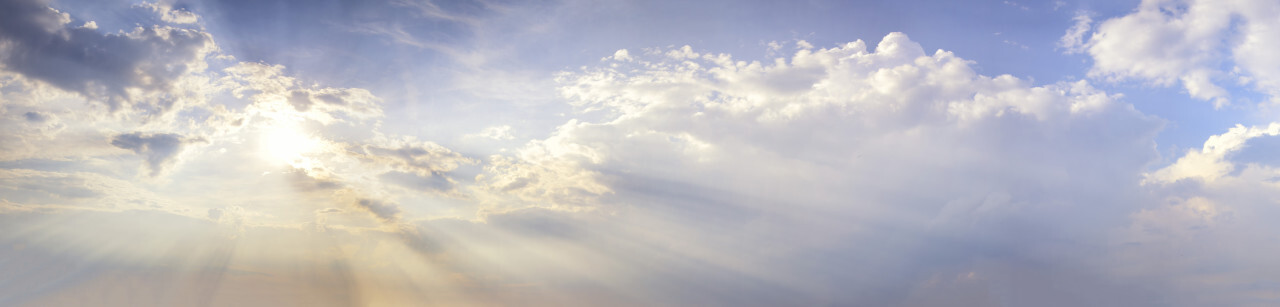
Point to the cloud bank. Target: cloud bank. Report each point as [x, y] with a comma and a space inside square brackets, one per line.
[1203, 45]
[859, 174]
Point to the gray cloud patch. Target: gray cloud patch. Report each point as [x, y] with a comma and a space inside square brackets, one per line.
[383, 210]
[215, 214]
[300, 100]
[36, 117]
[37, 41]
[435, 182]
[160, 150]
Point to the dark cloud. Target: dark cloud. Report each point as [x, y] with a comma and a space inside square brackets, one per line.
[161, 150]
[300, 100]
[303, 182]
[43, 44]
[332, 99]
[383, 210]
[541, 222]
[435, 182]
[425, 157]
[36, 117]
[215, 214]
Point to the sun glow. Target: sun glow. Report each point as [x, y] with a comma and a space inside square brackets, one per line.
[287, 144]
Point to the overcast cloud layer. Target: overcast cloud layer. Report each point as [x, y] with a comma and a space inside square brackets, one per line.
[466, 153]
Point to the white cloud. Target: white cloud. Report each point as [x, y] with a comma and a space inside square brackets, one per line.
[1074, 40]
[841, 175]
[1200, 44]
[1211, 162]
[1215, 205]
[502, 132]
[275, 93]
[827, 106]
[833, 150]
[169, 14]
[622, 55]
[1017, 5]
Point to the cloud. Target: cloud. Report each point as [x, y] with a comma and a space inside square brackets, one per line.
[1074, 40]
[1214, 203]
[161, 150]
[139, 68]
[681, 111]
[434, 182]
[899, 163]
[409, 155]
[170, 14]
[1200, 44]
[37, 117]
[274, 93]
[83, 190]
[851, 175]
[329, 210]
[383, 210]
[1211, 162]
[502, 132]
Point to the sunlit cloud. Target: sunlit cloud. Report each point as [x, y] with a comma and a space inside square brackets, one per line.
[464, 153]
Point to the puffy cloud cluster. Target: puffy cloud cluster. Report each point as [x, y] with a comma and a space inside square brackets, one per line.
[273, 92]
[882, 171]
[51, 68]
[848, 175]
[677, 112]
[1204, 206]
[142, 68]
[1200, 44]
[161, 149]
[1213, 160]
[170, 14]
[1213, 215]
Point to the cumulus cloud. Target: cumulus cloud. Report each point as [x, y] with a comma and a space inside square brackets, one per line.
[1211, 162]
[273, 92]
[1215, 200]
[680, 110]
[852, 175]
[50, 68]
[852, 143]
[170, 14]
[139, 68]
[161, 150]
[1200, 44]
[411, 155]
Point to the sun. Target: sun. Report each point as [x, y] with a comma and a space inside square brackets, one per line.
[287, 143]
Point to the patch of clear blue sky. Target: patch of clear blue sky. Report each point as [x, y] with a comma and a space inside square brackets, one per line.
[330, 42]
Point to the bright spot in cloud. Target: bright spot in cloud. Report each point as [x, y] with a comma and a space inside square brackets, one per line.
[287, 143]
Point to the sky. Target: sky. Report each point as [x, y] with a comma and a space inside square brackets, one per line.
[639, 153]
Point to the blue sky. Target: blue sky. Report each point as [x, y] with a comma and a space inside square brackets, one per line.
[581, 152]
